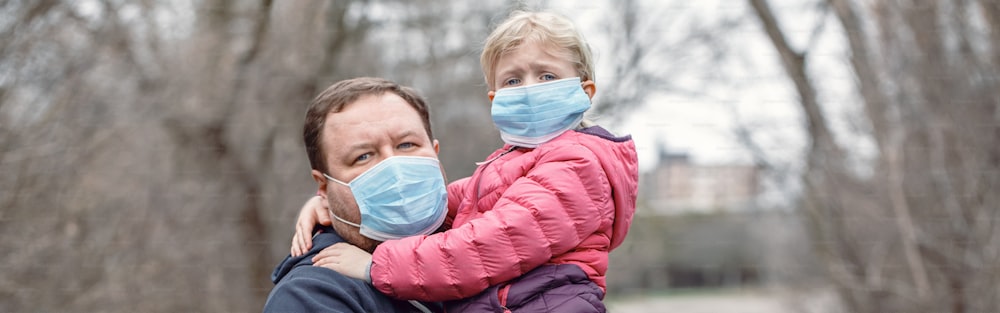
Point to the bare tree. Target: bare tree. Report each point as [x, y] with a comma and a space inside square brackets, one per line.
[919, 234]
[152, 166]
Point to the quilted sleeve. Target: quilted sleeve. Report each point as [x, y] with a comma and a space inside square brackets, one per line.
[547, 212]
[455, 196]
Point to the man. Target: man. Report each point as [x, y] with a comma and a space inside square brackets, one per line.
[368, 139]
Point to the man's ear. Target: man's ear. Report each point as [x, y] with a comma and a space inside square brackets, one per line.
[437, 150]
[320, 184]
[590, 88]
[491, 94]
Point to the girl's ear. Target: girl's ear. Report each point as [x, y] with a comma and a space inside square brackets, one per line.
[491, 94]
[589, 87]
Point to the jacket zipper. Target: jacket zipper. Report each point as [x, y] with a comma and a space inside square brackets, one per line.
[502, 295]
[482, 166]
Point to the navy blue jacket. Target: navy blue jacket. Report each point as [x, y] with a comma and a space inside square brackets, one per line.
[301, 287]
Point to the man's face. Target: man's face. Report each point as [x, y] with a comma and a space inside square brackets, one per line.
[364, 133]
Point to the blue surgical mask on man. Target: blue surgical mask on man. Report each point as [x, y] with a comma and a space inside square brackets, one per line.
[530, 115]
[399, 197]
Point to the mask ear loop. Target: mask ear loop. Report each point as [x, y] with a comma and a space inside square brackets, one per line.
[342, 220]
[335, 180]
[330, 210]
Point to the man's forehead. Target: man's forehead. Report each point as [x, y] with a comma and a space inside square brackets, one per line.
[368, 119]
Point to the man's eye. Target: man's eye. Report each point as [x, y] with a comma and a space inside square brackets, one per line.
[363, 157]
[511, 82]
[406, 145]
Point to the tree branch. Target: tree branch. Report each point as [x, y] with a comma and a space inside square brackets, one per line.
[794, 65]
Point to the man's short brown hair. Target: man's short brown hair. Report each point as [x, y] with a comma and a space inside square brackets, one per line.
[342, 93]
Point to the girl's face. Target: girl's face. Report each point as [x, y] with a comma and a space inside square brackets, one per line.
[531, 63]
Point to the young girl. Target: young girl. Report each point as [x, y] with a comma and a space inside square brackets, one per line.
[532, 228]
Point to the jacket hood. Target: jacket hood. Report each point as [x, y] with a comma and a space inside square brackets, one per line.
[621, 164]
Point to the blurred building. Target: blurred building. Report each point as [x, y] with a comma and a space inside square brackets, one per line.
[723, 244]
[677, 185]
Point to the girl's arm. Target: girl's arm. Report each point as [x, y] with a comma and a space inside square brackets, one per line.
[455, 196]
[546, 213]
[353, 262]
[313, 212]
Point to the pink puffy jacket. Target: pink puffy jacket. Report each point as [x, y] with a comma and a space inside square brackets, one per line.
[568, 201]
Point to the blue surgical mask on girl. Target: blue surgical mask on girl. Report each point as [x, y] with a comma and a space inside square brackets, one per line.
[530, 115]
[399, 197]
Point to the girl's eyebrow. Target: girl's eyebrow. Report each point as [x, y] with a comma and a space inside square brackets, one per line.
[508, 71]
[541, 64]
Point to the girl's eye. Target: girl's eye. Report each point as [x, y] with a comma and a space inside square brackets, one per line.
[548, 77]
[511, 82]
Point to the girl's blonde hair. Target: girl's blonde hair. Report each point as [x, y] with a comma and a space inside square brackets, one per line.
[540, 27]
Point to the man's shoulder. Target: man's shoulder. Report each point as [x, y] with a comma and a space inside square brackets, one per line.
[319, 289]
[324, 237]
[301, 287]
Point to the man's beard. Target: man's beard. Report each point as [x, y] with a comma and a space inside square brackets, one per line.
[349, 233]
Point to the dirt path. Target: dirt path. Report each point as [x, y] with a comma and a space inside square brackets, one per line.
[724, 302]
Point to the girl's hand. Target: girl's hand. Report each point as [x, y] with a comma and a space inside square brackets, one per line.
[346, 259]
[312, 213]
